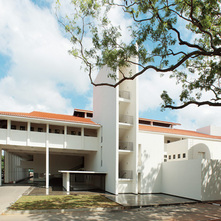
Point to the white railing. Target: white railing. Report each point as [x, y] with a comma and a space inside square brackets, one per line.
[125, 145]
[124, 94]
[42, 139]
[18, 137]
[126, 119]
[3, 136]
[126, 174]
[37, 139]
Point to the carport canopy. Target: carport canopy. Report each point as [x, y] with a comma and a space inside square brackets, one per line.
[66, 176]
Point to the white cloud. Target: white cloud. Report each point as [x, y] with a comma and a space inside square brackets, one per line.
[151, 85]
[192, 117]
[41, 67]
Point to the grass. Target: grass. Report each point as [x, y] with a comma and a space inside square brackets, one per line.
[62, 202]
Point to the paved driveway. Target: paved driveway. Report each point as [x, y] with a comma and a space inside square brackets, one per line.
[196, 212]
[9, 194]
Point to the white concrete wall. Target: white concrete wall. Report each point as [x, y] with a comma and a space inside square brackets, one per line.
[177, 148]
[125, 186]
[194, 149]
[3, 136]
[211, 148]
[152, 152]
[211, 180]
[13, 170]
[195, 179]
[39, 139]
[105, 108]
[211, 130]
[129, 162]
[182, 178]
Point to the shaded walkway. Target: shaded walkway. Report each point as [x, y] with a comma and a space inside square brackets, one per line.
[9, 194]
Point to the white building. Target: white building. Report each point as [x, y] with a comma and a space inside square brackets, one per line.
[112, 148]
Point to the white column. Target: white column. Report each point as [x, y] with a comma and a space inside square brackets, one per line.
[65, 136]
[1, 167]
[8, 131]
[68, 182]
[47, 157]
[82, 138]
[47, 167]
[28, 133]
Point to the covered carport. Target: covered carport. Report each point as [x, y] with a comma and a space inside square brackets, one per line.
[44, 162]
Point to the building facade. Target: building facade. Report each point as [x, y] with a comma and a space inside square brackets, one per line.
[112, 148]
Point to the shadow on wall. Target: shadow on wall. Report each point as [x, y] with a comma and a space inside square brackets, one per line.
[211, 180]
[150, 175]
[199, 151]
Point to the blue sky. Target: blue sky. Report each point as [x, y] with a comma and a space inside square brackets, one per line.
[37, 73]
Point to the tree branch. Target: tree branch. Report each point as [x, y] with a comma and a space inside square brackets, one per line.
[198, 103]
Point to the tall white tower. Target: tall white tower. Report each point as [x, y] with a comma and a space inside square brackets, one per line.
[116, 109]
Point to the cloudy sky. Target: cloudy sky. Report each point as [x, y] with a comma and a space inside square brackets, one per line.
[37, 73]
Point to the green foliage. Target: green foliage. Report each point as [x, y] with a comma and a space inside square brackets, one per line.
[182, 37]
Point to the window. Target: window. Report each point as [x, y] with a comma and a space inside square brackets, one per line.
[90, 132]
[184, 155]
[174, 156]
[13, 127]
[90, 115]
[169, 157]
[40, 129]
[22, 127]
[178, 156]
[3, 124]
[32, 128]
[57, 131]
[168, 141]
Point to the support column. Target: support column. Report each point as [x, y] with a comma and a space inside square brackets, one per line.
[68, 182]
[47, 167]
[8, 131]
[65, 136]
[82, 138]
[47, 157]
[1, 167]
[28, 133]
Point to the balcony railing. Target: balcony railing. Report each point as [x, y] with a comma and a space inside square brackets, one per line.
[126, 174]
[125, 145]
[126, 119]
[124, 94]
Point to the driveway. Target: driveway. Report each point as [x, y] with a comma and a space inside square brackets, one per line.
[9, 194]
[191, 212]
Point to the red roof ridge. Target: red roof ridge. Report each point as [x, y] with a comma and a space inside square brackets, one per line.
[176, 131]
[51, 116]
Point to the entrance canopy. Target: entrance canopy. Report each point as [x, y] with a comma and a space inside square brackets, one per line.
[83, 180]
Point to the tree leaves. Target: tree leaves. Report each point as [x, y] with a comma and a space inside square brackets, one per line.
[179, 36]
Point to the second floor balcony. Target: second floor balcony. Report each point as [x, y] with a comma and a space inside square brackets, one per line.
[126, 119]
[125, 146]
[124, 94]
[43, 135]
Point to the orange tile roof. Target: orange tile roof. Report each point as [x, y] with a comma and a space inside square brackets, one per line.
[51, 116]
[176, 131]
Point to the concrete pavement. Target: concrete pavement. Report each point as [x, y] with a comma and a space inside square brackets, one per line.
[9, 194]
[144, 200]
[199, 212]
